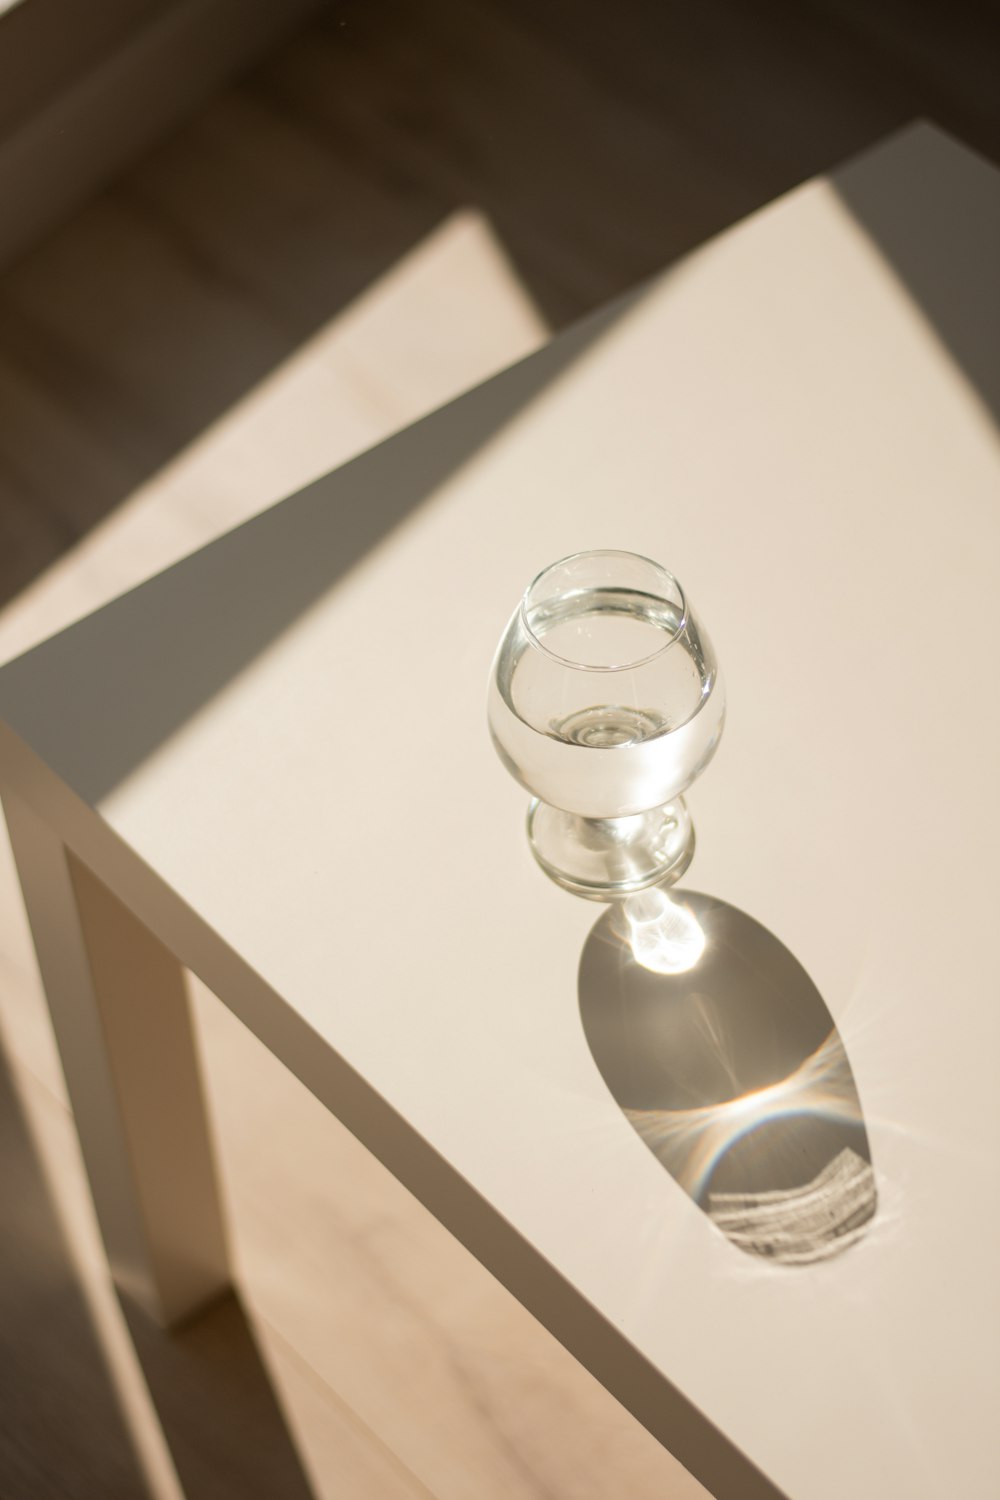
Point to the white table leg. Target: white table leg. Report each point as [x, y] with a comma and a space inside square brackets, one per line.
[121, 1015]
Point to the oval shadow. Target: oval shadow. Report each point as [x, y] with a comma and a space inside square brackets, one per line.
[722, 1055]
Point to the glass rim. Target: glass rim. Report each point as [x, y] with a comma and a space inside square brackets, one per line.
[625, 666]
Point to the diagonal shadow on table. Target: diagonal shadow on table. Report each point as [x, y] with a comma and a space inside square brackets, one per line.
[133, 672]
[722, 1055]
[935, 217]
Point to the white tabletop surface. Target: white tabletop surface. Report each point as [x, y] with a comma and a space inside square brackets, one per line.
[288, 729]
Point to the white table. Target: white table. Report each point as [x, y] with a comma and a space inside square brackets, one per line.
[269, 764]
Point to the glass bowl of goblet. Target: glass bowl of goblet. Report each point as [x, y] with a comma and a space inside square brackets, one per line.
[605, 703]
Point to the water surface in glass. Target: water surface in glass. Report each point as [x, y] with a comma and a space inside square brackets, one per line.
[604, 655]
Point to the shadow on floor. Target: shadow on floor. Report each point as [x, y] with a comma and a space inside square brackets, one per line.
[225, 1430]
[63, 1435]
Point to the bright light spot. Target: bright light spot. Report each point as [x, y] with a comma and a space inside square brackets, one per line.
[665, 936]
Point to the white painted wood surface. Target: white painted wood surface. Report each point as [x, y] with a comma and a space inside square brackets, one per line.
[281, 765]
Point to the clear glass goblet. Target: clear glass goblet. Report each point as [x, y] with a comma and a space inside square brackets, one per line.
[605, 702]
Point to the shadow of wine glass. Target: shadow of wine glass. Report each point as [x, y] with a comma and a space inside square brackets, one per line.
[722, 1055]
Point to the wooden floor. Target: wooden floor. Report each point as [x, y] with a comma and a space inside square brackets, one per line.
[401, 200]
[601, 142]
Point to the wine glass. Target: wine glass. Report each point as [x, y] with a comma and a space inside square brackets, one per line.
[605, 702]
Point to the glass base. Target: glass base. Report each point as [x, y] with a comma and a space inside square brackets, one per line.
[606, 859]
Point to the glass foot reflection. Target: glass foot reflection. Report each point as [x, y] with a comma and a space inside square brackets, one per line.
[723, 1057]
[605, 859]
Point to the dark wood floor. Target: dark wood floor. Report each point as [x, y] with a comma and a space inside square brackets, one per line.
[602, 141]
